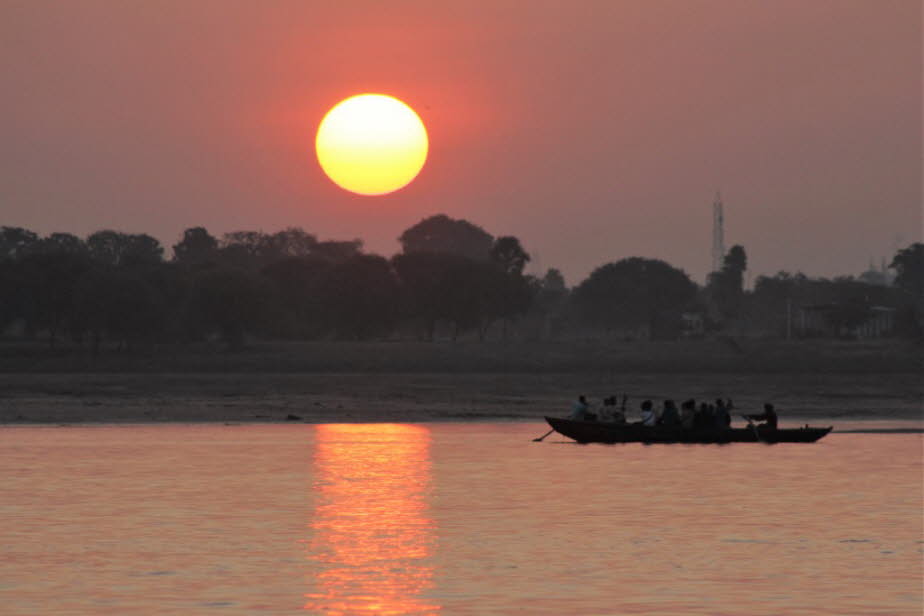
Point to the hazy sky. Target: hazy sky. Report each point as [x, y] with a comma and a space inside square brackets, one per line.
[592, 130]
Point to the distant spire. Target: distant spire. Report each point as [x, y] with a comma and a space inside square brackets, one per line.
[718, 233]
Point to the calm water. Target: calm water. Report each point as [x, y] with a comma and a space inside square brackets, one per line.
[453, 519]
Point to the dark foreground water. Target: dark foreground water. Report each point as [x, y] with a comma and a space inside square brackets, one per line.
[454, 519]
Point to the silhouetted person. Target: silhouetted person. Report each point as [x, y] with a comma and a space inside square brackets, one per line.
[649, 418]
[768, 417]
[603, 411]
[619, 415]
[610, 412]
[669, 417]
[579, 409]
[722, 414]
[687, 414]
[703, 418]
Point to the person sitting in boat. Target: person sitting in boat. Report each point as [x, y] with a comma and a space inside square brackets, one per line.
[616, 414]
[722, 414]
[579, 410]
[703, 420]
[768, 417]
[669, 417]
[605, 411]
[649, 417]
[687, 414]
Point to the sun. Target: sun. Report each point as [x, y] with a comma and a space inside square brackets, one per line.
[371, 144]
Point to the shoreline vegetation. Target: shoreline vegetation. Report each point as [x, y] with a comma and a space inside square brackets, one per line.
[409, 381]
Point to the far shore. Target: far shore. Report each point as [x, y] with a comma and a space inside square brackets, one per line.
[443, 381]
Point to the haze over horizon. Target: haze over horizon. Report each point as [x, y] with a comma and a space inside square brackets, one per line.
[591, 131]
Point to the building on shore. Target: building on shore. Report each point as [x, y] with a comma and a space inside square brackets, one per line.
[835, 320]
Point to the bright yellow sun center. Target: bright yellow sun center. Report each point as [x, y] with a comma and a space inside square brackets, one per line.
[371, 144]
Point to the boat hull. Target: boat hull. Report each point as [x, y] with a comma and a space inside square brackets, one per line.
[603, 432]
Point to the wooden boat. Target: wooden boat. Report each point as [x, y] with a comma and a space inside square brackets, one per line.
[604, 432]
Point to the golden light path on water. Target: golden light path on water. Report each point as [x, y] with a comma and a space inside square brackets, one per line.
[371, 529]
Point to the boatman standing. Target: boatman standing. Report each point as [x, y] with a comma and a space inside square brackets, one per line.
[768, 417]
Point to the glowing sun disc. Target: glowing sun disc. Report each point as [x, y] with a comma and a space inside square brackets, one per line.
[371, 144]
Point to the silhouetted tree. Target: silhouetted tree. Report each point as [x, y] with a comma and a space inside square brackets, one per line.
[549, 304]
[290, 242]
[726, 287]
[633, 293]
[512, 293]
[467, 294]
[908, 264]
[442, 234]
[37, 279]
[9, 309]
[445, 287]
[255, 249]
[244, 249]
[18, 295]
[850, 310]
[15, 242]
[61, 243]
[477, 295]
[134, 310]
[92, 305]
[512, 296]
[776, 299]
[508, 254]
[298, 286]
[48, 289]
[228, 300]
[337, 251]
[361, 297]
[553, 282]
[425, 282]
[114, 248]
[171, 284]
[196, 247]
[736, 261]
[117, 305]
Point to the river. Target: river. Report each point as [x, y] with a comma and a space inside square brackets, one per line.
[452, 518]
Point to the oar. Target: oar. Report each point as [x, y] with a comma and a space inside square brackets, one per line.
[539, 440]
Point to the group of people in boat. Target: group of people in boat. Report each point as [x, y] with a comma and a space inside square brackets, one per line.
[690, 416]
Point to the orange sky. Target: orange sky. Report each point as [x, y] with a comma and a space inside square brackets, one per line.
[593, 130]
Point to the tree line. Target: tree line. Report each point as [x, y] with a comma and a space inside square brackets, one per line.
[450, 279]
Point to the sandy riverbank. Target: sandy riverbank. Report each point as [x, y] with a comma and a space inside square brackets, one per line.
[417, 381]
[597, 356]
[241, 397]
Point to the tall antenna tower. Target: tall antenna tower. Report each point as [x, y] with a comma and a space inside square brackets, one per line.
[718, 233]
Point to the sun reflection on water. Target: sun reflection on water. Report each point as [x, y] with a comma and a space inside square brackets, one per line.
[371, 531]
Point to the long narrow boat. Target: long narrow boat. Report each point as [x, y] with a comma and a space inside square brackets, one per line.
[604, 432]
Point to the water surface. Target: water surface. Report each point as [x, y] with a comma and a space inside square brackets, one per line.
[453, 518]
